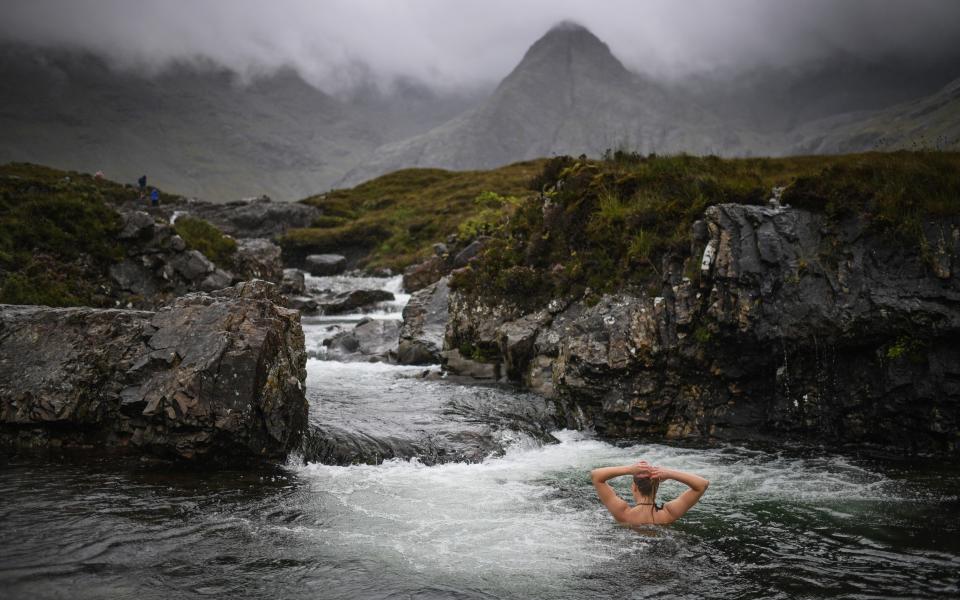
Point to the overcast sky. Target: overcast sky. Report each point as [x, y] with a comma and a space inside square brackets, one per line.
[454, 43]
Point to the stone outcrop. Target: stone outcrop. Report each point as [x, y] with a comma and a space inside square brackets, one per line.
[211, 378]
[157, 266]
[253, 217]
[778, 324]
[258, 258]
[353, 301]
[325, 264]
[424, 322]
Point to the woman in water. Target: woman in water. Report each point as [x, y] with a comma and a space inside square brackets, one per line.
[646, 480]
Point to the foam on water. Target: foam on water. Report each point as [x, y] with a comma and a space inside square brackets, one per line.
[533, 512]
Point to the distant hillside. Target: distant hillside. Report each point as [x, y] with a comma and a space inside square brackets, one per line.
[196, 130]
[931, 122]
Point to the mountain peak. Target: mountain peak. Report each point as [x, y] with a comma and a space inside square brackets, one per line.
[569, 45]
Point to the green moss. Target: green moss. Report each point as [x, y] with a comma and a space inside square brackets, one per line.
[906, 347]
[204, 237]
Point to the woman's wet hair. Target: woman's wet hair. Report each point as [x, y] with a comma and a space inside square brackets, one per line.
[645, 485]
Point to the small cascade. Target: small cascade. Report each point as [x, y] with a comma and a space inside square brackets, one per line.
[363, 409]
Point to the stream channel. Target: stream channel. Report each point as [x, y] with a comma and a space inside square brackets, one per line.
[471, 492]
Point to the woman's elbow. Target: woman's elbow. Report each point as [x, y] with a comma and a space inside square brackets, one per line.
[706, 484]
[595, 476]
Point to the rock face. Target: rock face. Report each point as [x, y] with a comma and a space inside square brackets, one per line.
[157, 266]
[781, 323]
[258, 258]
[325, 264]
[424, 322]
[254, 217]
[353, 300]
[212, 378]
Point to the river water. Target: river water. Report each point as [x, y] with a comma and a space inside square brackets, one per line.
[479, 497]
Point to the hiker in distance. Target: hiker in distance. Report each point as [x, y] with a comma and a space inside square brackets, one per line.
[646, 480]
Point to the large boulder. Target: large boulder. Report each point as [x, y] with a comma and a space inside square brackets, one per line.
[424, 323]
[418, 276]
[258, 258]
[212, 378]
[370, 339]
[353, 301]
[321, 265]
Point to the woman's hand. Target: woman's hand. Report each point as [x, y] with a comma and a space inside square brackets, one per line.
[640, 468]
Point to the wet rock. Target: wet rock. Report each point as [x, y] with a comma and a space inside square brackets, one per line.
[293, 282]
[371, 339]
[304, 304]
[793, 326]
[424, 323]
[353, 301]
[325, 264]
[214, 378]
[258, 258]
[460, 365]
[419, 276]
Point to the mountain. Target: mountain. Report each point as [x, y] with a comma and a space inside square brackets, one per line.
[568, 95]
[929, 122]
[195, 129]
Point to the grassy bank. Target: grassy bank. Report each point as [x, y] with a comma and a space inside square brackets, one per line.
[606, 224]
[392, 220]
[58, 235]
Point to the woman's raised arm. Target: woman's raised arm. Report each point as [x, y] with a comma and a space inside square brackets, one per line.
[677, 507]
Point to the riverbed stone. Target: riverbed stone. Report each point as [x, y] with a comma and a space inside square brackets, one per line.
[424, 324]
[325, 264]
[354, 300]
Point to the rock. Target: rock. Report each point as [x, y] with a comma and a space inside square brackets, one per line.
[258, 258]
[217, 280]
[137, 225]
[213, 378]
[304, 304]
[456, 363]
[133, 277]
[253, 217]
[371, 339]
[440, 249]
[793, 326]
[354, 300]
[192, 265]
[325, 264]
[419, 276]
[293, 282]
[424, 323]
[466, 255]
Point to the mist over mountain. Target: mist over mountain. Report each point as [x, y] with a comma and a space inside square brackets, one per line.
[203, 129]
[197, 129]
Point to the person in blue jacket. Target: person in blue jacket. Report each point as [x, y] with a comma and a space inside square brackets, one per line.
[155, 197]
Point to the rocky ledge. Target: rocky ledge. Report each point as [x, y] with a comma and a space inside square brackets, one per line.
[212, 378]
[778, 323]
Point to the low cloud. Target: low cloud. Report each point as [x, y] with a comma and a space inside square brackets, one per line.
[453, 45]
